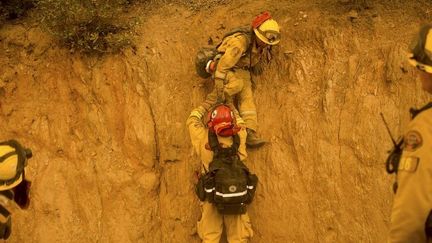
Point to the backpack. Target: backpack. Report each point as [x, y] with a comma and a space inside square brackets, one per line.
[210, 53]
[228, 184]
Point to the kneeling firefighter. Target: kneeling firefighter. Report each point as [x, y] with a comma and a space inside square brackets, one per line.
[226, 186]
[240, 53]
[13, 185]
[411, 160]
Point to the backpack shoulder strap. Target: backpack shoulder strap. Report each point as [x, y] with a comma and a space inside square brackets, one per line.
[218, 150]
[213, 141]
[246, 30]
[236, 142]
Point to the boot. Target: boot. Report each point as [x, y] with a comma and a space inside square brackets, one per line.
[252, 140]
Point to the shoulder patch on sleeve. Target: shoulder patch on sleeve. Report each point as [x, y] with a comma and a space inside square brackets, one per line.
[235, 52]
[412, 141]
[409, 164]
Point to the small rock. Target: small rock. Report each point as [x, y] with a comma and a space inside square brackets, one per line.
[193, 231]
[353, 15]
[221, 27]
[403, 68]
[305, 16]
[210, 41]
[288, 53]
[295, 24]
[140, 89]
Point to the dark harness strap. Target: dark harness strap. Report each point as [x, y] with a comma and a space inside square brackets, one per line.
[415, 112]
[218, 150]
[4, 211]
[4, 157]
[8, 194]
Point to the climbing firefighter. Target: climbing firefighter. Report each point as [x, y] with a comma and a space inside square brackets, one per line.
[225, 186]
[242, 51]
[13, 184]
[411, 218]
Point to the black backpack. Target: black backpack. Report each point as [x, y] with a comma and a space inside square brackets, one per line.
[228, 184]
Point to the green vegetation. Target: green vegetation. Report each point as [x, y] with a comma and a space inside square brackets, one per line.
[89, 26]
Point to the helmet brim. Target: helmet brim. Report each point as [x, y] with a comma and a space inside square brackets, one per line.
[264, 39]
[224, 129]
[10, 186]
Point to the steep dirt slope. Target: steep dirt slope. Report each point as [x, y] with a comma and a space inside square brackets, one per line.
[113, 160]
[91, 127]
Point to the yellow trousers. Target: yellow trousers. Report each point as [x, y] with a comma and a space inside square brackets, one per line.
[238, 227]
[238, 84]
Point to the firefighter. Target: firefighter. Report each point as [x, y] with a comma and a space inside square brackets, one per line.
[13, 184]
[242, 51]
[411, 218]
[210, 227]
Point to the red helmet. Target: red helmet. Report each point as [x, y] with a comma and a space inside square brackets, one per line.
[222, 121]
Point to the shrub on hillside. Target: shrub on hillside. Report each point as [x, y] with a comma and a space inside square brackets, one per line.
[89, 26]
[12, 9]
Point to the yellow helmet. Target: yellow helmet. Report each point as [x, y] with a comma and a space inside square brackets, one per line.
[13, 159]
[420, 54]
[268, 32]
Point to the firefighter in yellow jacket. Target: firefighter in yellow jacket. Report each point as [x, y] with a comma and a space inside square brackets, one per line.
[13, 185]
[411, 219]
[241, 51]
[210, 227]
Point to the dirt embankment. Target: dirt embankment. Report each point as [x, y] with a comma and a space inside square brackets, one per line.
[113, 161]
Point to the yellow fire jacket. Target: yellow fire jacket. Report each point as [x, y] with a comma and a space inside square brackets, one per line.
[413, 200]
[235, 49]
